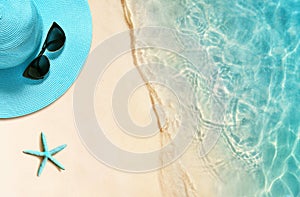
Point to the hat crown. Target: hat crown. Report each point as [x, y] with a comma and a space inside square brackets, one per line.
[20, 31]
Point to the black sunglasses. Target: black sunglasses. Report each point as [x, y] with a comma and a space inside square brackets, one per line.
[39, 67]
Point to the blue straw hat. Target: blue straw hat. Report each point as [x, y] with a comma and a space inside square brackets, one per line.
[23, 28]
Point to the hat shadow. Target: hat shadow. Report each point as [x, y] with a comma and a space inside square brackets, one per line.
[12, 80]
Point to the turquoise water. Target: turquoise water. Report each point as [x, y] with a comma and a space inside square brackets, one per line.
[254, 50]
[255, 46]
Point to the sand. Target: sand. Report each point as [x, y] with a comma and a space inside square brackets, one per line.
[84, 174]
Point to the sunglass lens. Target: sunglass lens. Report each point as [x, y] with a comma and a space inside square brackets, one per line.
[38, 68]
[56, 38]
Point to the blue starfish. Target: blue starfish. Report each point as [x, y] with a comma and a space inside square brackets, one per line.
[46, 154]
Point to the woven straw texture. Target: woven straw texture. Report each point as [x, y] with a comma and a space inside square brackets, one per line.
[20, 96]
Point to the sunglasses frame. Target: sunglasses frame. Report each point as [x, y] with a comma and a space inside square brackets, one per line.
[34, 64]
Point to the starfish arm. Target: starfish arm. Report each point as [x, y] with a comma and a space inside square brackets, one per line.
[44, 141]
[57, 149]
[32, 152]
[57, 163]
[42, 166]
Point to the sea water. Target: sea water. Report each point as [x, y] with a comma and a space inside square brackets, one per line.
[246, 85]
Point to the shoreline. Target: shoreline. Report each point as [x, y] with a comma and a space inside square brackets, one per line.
[174, 173]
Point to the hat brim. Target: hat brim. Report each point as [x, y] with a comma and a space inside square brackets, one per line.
[20, 96]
